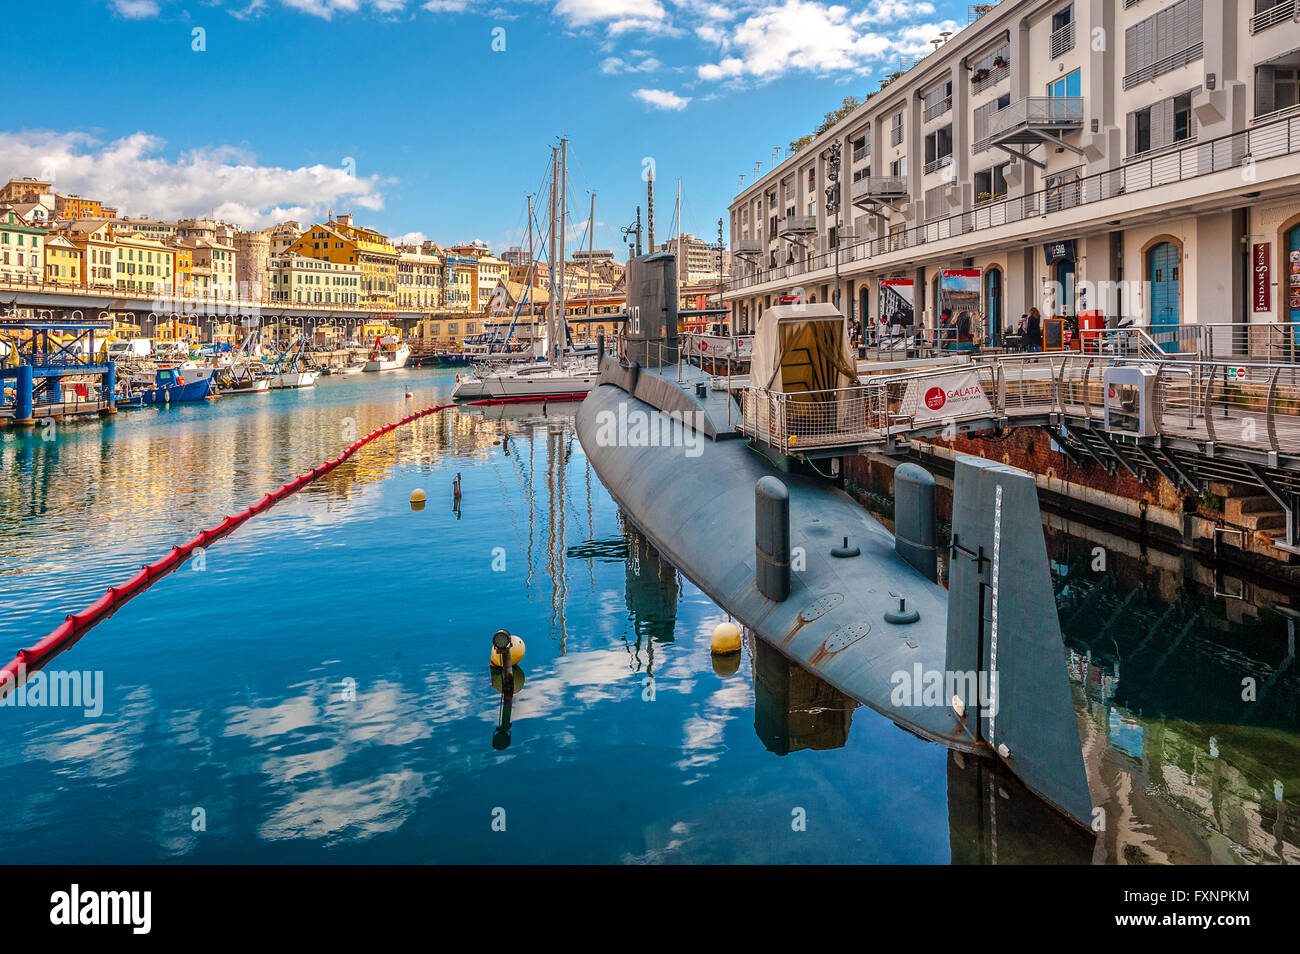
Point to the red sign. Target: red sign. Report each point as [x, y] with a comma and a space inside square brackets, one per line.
[1261, 276]
[935, 399]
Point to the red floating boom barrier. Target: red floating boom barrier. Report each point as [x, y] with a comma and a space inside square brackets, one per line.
[77, 625]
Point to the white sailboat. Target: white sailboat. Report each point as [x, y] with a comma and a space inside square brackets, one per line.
[560, 376]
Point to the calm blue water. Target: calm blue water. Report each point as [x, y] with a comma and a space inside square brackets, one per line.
[225, 686]
[317, 688]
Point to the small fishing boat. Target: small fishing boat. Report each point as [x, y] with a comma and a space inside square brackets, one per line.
[171, 387]
[287, 371]
[387, 355]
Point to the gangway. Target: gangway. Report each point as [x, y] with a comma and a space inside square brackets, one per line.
[41, 361]
[1188, 420]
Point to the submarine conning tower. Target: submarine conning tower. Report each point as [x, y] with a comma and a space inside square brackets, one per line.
[651, 337]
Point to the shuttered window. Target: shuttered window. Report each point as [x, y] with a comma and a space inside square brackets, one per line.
[1161, 124]
[1163, 41]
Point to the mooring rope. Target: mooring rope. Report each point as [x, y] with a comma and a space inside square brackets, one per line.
[76, 625]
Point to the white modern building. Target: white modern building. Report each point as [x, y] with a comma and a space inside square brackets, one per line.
[1136, 158]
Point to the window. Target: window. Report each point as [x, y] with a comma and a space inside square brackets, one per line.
[991, 183]
[898, 167]
[1276, 88]
[1070, 85]
[896, 129]
[1164, 41]
[1161, 124]
[938, 149]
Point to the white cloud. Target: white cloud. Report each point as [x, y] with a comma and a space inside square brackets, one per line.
[815, 37]
[662, 99]
[224, 182]
[613, 65]
[618, 16]
[411, 238]
[135, 9]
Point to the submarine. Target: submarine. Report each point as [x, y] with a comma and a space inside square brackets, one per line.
[764, 527]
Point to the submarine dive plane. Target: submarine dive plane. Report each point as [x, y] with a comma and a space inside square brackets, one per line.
[763, 526]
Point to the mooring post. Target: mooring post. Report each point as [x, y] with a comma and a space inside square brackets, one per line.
[600, 348]
[23, 396]
[914, 520]
[108, 389]
[772, 538]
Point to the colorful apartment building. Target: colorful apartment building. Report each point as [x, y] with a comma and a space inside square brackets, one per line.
[142, 265]
[345, 243]
[62, 262]
[22, 249]
[302, 280]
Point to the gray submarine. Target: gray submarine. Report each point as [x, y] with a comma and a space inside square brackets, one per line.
[778, 544]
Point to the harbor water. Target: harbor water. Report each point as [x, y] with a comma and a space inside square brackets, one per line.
[315, 687]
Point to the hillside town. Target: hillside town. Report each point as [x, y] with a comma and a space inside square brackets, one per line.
[56, 242]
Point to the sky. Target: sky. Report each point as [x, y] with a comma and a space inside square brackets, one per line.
[435, 118]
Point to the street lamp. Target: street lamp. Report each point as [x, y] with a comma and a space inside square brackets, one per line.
[832, 156]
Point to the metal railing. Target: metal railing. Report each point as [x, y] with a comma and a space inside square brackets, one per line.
[1265, 141]
[1234, 404]
[1062, 40]
[1036, 111]
[1274, 15]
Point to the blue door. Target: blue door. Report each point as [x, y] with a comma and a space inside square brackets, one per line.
[993, 301]
[1163, 274]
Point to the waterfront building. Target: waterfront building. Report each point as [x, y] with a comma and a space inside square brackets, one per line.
[419, 279]
[62, 262]
[22, 248]
[93, 240]
[283, 235]
[303, 280]
[341, 241]
[491, 271]
[142, 265]
[1135, 160]
[211, 269]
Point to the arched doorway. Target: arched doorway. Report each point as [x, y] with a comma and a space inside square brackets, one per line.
[1163, 308]
[993, 303]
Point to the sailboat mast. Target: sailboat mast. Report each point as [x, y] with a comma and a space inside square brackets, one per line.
[530, 274]
[591, 244]
[562, 345]
[550, 299]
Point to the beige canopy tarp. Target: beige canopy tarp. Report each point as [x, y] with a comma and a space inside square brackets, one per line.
[800, 348]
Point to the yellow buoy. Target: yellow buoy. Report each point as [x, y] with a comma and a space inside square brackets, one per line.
[726, 639]
[417, 495]
[516, 652]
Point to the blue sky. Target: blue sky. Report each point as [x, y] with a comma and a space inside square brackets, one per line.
[403, 113]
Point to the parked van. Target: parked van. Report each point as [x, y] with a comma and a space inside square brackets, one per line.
[131, 348]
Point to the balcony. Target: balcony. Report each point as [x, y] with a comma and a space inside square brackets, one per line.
[860, 152]
[879, 187]
[1062, 40]
[798, 225]
[1273, 16]
[747, 246]
[1034, 120]
[937, 164]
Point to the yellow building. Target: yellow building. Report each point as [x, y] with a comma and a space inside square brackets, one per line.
[94, 242]
[419, 280]
[142, 265]
[62, 262]
[340, 241]
[300, 280]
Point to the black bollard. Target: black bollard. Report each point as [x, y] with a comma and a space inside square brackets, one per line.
[914, 519]
[772, 538]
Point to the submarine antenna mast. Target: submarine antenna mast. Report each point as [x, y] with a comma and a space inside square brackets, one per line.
[650, 210]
